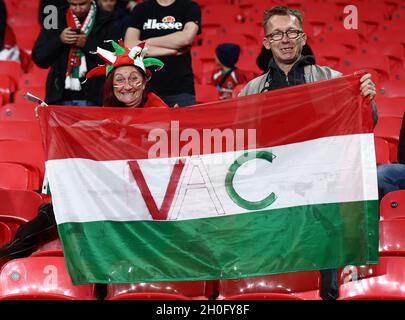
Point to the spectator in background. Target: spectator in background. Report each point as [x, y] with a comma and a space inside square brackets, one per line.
[67, 50]
[8, 46]
[265, 55]
[391, 176]
[121, 16]
[288, 67]
[169, 28]
[228, 76]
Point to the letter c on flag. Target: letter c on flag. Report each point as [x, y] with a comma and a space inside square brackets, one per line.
[250, 205]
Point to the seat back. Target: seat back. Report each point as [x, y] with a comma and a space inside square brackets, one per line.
[392, 237]
[28, 153]
[382, 150]
[382, 281]
[17, 177]
[19, 203]
[170, 290]
[42, 278]
[285, 283]
[20, 130]
[5, 233]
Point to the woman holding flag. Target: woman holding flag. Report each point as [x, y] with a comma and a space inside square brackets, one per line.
[127, 75]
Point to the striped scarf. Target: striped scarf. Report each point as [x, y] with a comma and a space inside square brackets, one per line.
[77, 66]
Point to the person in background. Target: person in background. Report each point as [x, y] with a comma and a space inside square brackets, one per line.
[169, 28]
[228, 76]
[288, 67]
[67, 50]
[391, 176]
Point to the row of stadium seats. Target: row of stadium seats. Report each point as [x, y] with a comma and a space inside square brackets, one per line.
[43, 275]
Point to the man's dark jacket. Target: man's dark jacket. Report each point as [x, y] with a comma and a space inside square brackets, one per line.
[49, 51]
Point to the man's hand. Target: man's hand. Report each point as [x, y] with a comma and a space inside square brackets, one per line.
[367, 86]
[68, 36]
[81, 40]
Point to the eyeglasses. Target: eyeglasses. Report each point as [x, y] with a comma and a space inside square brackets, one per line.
[132, 81]
[291, 34]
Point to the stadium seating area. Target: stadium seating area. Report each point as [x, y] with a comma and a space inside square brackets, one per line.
[377, 45]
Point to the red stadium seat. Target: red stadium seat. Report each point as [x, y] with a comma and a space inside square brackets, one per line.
[22, 204]
[40, 278]
[205, 93]
[18, 207]
[350, 39]
[181, 290]
[27, 153]
[393, 50]
[49, 248]
[11, 69]
[5, 234]
[391, 89]
[392, 237]
[388, 128]
[215, 12]
[15, 176]
[272, 286]
[38, 91]
[20, 130]
[32, 79]
[378, 63]
[390, 107]
[398, 75]
[382, 150]
[392, 206]
[331, 54]
[383, 281]
[7, 87]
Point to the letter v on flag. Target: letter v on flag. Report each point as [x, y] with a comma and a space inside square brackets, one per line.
[157, 214]
[125, 216]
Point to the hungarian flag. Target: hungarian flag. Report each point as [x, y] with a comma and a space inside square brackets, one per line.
[270, 183]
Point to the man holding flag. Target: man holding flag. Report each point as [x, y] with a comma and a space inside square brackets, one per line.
[285, 38]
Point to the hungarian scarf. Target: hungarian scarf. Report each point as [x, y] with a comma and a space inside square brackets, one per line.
[77, 66]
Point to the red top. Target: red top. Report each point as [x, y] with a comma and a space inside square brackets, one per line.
[154, 101]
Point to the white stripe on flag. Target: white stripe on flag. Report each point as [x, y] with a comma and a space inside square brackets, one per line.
[327, 170]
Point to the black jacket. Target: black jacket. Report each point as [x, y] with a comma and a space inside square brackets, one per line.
[401, 144]
[49, 51]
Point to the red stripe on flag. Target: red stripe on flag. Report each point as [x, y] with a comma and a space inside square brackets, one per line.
[284, 116]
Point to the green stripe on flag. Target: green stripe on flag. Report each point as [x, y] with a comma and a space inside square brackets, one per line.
[233, 246]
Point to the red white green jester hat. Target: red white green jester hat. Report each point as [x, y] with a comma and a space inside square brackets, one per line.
[123, 56]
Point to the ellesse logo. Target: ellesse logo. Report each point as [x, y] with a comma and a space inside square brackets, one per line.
[168, 22]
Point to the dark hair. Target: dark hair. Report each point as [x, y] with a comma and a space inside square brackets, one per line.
[110, 100]
[280, 11]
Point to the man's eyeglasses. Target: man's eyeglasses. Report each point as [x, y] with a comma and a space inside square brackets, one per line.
[291, 34]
